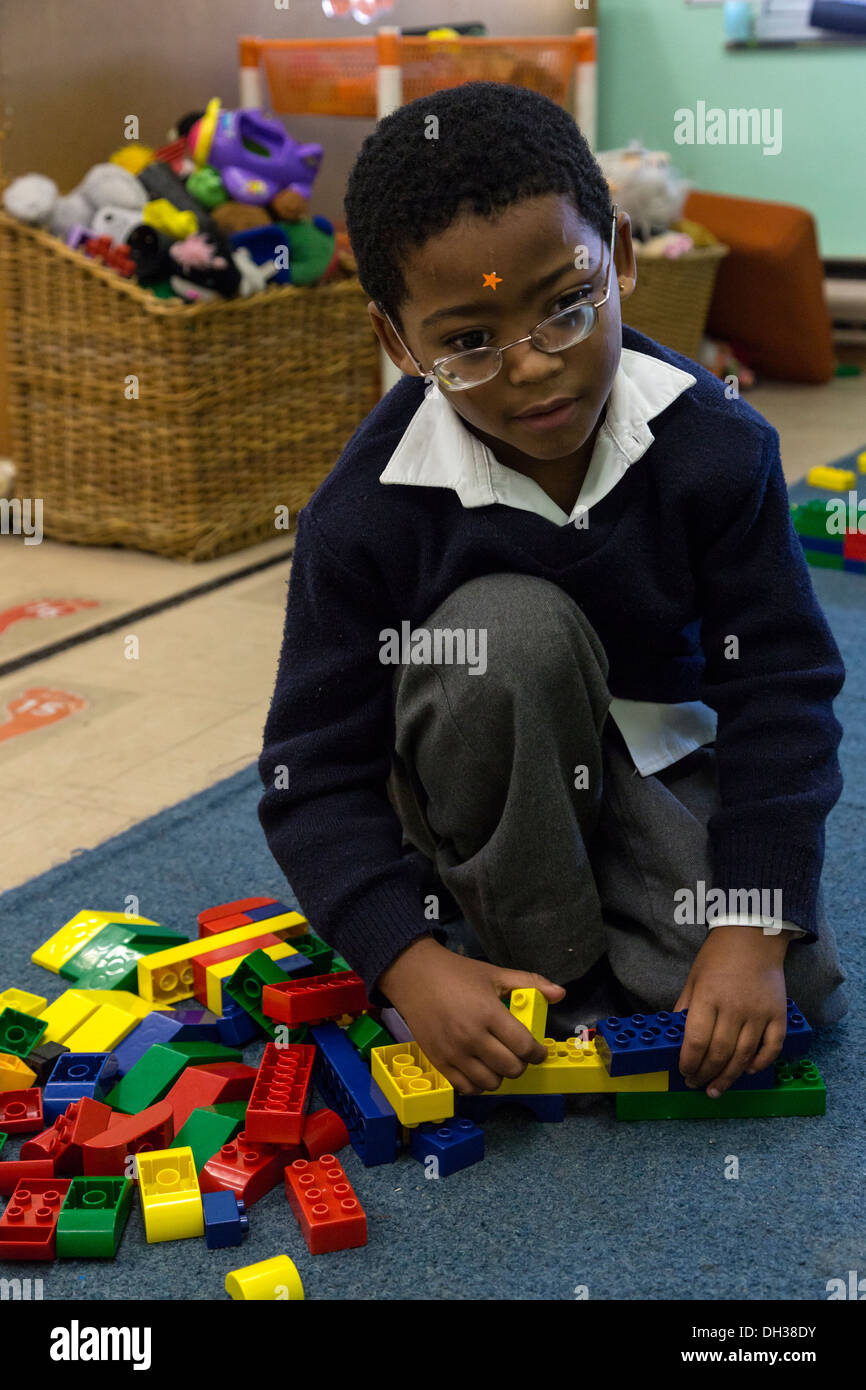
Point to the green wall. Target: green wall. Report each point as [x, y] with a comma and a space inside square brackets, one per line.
[656, 56]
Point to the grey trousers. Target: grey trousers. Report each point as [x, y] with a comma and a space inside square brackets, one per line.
[552, 866]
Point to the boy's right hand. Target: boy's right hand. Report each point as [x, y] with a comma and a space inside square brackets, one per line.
[453, 1005]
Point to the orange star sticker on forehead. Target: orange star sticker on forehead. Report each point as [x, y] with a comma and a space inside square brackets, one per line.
[492, 280]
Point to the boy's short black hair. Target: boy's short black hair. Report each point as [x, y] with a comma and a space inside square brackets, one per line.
[497, 144]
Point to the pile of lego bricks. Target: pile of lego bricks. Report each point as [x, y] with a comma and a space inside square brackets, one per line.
[134, 1076]
[832, 530]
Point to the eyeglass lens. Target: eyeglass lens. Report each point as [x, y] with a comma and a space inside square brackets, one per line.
[480, 364]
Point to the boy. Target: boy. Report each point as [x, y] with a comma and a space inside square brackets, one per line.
[639, 712]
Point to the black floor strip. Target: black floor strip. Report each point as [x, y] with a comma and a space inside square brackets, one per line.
[132, 615]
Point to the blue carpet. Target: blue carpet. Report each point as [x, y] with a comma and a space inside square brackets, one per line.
[632, 1211]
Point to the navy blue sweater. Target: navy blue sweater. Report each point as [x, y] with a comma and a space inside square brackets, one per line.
[693, 545]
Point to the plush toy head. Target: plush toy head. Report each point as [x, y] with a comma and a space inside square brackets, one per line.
[31, 198]
[645, 186]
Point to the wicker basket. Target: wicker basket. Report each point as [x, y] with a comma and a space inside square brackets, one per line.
[243, 405]
[672, 297]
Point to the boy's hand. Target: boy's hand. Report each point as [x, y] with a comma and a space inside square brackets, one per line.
[735, 995]
[454, 1008]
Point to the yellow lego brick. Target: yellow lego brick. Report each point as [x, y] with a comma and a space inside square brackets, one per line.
[15, 1075]
[123, 999]
[65, 1014]
[529, 1007]
[224, 969]
[831, 478]
[291, 924]
[411, 1084]
[861, 462]
[80, 929]
[102, 1031]
[276, 1279]
[573, 1068]
[25, 1003]
[170, 1196]
[167, 976]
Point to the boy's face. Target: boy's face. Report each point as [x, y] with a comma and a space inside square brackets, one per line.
[522, 245]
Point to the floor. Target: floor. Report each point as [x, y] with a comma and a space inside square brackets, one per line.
[106, 730]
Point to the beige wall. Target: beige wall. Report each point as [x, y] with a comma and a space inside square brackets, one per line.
[71, 70]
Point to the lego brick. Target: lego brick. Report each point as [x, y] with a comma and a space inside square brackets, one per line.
[315, 998]
[219, 956]
[761, 1081]
[641, 1043]
[93, 1217]
[28, 1226]
[798, 1090]
[810, 518]
[549, 1109]
[575, 1067]
[529, 1007]
[318, 954]
[124, 999]
[204, 1132]
[854, 566]
[147, 1080]
[412, 1085]
[266, 911]
[235, 1027]
[236, 1108]
[825, 545]
[192, 1088]
[225, 1220]
[224, 924]
[834, 479]
[216, 976]
[396, 1025]
[281, 1095]
[194, 1025]
[19, 1032]
[63, 1143]
[237, 1078]
[324, 1133]
[366, 1034]
[15, 1169]
[107, 1153]
[111, 958]
[854, 549]
[267, 1281]
[69, 940]
[43, 1058]
[78, 1074]
[102, 1030]
[250, 1170]
[155, 1028]
[823, 561]
[3, 1138]
[201, 1054]
[347, 1087]
[15, 1075]
[65, 1014]
[324, 1203]
[23, 1001]
[455, 1144]
[21, 1111]
[168, 975]
[246, 984]
[211, 915]
[169, 1193]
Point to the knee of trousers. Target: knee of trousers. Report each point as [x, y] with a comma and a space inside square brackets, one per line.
[517, 628]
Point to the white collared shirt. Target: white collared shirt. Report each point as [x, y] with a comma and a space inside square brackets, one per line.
[437, 450]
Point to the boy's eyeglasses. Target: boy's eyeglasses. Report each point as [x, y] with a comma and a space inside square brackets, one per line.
[463, 370]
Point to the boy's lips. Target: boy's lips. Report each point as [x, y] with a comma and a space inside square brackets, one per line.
[544, 407]
[556, 418]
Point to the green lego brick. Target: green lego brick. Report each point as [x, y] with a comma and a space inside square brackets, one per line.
[110, 959]
[366, 1033]
[235, 1109]
[319, 955]
[148, 1079]
[205, 1132]
[823, 561]
[3, 1138]
[246, 984]
[810, 519]
[339, 963]
[92, 1217]
[197, 1054]
[799, 1090]
[19, 1033]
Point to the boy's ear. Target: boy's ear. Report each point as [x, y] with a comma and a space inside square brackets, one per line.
[625, 267]
[390, 342]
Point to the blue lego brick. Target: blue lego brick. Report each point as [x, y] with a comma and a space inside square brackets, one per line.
[225, 1219]
[548, 1109]
[827, 546]
[854, 566]
[762, 1081]
[261, 914]
[455, 1144]
[77, 1074]
[346, 1085]
[156, 1027]
[293, 965]
[196, 1024]
[234, 1026]
[652, 1042]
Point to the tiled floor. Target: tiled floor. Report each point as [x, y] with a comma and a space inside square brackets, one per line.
[107, 739]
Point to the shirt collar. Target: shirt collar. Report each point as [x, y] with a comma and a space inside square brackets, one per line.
[437, 450]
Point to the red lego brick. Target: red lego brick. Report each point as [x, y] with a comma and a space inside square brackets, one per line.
[193, 1089]
[324, 1133]
[248, 1169]
[315, 999]
[14, 1169]
[28, 1226]
[281, 1095]
[234, 952]
[212, 916]
[63, 1142]
[328, 1212]
[854, 546]
[238, 1079]
[21, 1111]
[105, 1154]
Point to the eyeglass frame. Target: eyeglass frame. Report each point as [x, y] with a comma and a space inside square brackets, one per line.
[440, 361]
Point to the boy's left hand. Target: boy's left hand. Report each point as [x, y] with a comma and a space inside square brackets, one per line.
[735, 995]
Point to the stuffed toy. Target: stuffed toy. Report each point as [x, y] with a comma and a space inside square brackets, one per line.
[643, 184]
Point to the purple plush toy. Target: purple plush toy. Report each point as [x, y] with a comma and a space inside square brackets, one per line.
[254, 154]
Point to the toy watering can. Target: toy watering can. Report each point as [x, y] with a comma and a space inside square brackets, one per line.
[254, 154]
